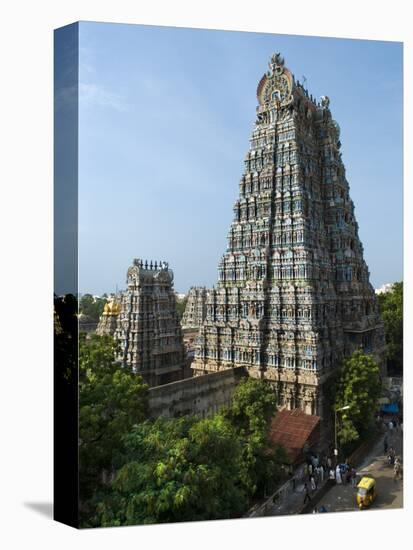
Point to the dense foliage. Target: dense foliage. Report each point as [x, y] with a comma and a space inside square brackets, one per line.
[253, 407]
[65, 336]
[111, 401]
[180, 306]
[391, 308]
[176, 470]
[358, 386]
[182, 469]
[92, 307]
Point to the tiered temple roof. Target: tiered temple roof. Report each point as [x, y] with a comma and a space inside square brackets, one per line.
[148, 327]
[293, 297]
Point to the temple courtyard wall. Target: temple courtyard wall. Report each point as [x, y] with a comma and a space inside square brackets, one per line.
[201, 395]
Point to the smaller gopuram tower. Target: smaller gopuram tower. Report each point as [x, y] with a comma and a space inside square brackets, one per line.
[108, 319]
[148, 327]
[195, 310]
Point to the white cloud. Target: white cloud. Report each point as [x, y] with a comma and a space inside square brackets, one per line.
[95, 95]
[85, 61]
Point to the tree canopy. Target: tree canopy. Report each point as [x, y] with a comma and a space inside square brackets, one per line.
[358, 387]
[188, 468]
[180, 306]
[252, 409]
[391, 308]
[176, 470]
[111, 401]
[92, 307]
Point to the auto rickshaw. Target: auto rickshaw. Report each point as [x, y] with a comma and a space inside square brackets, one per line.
[366, 492]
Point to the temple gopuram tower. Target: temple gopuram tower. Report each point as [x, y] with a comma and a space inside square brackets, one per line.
[293, 297]
[195, 310]
[148, 327]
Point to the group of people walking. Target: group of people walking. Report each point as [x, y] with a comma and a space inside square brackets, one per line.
[315, 471]
[344, 474]
[390, 452]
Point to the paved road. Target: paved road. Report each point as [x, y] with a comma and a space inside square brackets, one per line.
[389, 492]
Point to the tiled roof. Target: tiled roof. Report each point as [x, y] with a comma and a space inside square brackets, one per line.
[292, 429]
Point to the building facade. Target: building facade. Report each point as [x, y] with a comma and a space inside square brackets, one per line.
[195, 310]
[148, 327]
[293, 297]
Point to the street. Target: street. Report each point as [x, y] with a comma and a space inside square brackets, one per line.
[342, 498]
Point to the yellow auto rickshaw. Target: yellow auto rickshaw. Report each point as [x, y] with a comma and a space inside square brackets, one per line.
[366, 492]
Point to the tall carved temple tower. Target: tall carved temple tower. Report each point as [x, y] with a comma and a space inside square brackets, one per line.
[148, 328]
[293, 296]
[195, 310]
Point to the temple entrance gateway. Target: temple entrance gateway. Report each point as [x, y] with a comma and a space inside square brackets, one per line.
[293, 297]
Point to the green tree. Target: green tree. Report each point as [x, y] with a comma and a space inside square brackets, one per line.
[253, 407]
[177, 470]
[65, 337]
[180, 307]
[358, 387]
[174, 469]
[92, 307]
[111, 401]
[391, 308]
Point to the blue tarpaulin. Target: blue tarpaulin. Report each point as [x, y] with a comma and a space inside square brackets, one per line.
[391, 408]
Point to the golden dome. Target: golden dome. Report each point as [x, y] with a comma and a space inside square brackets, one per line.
[116, 308]
[111, 307]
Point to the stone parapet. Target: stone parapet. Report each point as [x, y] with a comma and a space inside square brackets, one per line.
[201, 395]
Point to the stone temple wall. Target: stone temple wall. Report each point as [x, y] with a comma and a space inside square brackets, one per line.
[202, 395]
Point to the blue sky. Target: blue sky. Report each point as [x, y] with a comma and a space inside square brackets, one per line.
[165, 117]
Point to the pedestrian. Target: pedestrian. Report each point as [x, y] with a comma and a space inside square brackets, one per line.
[321, 473]
[313, 483]
[292, 479]
[331, 476]
[329, 462]
[343, 472]
[391, 427]
[307, 497]
[397, 469]
[310, 470]
[305, 470]
[353, 476]
[338, 475]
